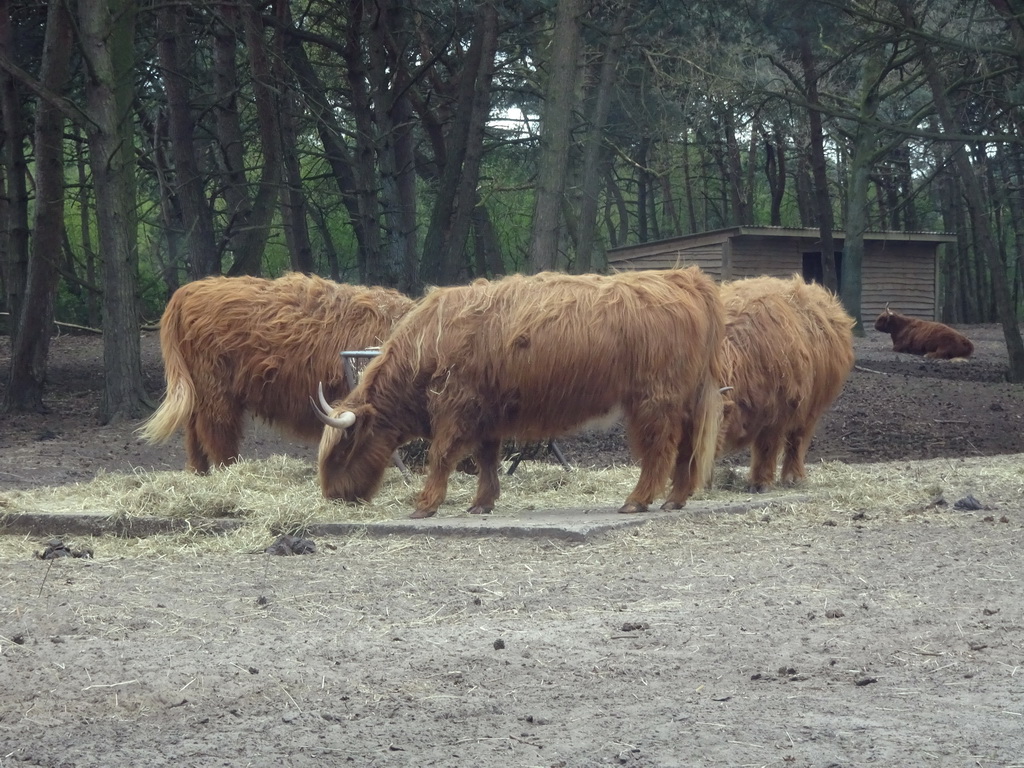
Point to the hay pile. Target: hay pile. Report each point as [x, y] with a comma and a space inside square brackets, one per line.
[281, 494]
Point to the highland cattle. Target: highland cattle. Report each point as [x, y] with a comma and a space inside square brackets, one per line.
[233, 346]
[788, 352]
[923, 337]
[531, 358]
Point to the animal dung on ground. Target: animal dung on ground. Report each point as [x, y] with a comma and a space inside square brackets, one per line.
[292, 545]
[634, 626]
[56, 548]
[968, 502]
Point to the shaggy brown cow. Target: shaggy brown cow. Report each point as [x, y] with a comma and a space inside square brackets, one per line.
[923, 337]
[535, 357]
[788, 352]
[233, 345]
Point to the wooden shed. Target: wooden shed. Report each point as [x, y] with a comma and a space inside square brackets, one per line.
[899, 268]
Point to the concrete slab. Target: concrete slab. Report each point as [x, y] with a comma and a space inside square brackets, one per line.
[570, 524]
[45, 525]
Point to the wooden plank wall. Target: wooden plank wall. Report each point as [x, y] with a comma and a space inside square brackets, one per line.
[906, 279]
[708, 258]
[774, 257]
[900, 273]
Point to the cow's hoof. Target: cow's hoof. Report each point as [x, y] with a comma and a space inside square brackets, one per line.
[631, 508]
[476, 509]
[758, 488]
[672, 506]
[419, 514]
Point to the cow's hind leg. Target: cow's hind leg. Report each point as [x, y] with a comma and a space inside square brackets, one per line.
[218, 436]
[685, 478]
[654, 433]
[487, 487]
[195, 454]
[698, 442]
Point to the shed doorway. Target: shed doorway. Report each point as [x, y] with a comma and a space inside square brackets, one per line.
[812, 269]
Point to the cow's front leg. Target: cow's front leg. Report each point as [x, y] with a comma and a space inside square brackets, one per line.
[441, 459]
[795, 453]
[434, 489]
[764, 456]
[487, 487]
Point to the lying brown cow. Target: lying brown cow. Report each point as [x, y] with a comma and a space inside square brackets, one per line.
[923, 337]
[788, 352]
[233, 345]
[535, 357]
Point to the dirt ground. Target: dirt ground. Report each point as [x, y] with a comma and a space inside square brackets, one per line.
[892, 638]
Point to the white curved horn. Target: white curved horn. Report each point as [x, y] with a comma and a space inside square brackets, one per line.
[323, 412]
[324, 405]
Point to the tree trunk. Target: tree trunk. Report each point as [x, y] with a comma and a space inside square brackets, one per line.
[487, 247]
[691, 208]
[444, 246]
[30, 345]
[330, 251]
[170, 211]
[819, 166]
[620, 237]
[557, 123]
[252, 241]
[203, 258]
[642, 187]
[294, 209]
[14, 222]
[974, 199]
[92, 302]
[293, 205]
[389, 78]
[862, 157]
[230, 141]
[775, 171]
[742, 214]
[331, 135]
[370, 255]
[107, 32]
[590, 184]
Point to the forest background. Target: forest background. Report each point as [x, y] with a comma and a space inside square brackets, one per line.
[145, 144]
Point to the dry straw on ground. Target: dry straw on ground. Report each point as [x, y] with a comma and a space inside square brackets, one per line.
[281, 495]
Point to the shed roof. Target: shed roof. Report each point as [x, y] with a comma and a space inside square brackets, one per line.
[802, 233]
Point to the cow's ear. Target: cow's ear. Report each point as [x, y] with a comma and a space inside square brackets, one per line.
[366, 417]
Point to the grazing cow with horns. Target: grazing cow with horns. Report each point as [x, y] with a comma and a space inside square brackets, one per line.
[233, 345]
[535, 357]
[923, 337]
[788, 352]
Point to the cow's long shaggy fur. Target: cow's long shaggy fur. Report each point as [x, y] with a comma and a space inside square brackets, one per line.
[237, 345]
[923, 337]
[788, 352]
[535, 357]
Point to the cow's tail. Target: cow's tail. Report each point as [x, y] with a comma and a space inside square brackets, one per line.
[707, 422]
[179, 401]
